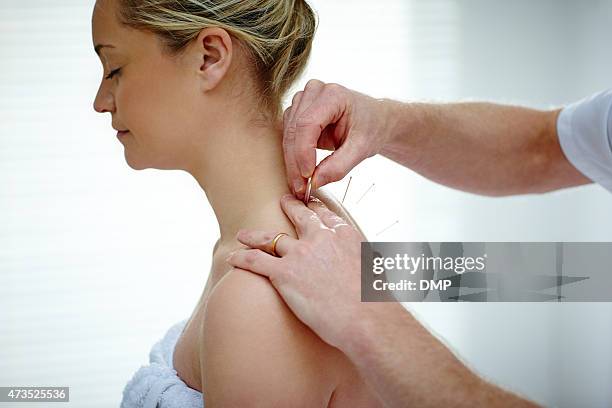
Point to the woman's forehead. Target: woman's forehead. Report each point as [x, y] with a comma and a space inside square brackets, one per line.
[104, 24]
[112, 37]
[107, 34]
[104, 12]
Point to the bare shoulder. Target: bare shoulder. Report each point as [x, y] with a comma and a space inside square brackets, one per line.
[255, 352]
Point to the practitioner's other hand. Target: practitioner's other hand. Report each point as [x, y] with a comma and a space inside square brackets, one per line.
[331, 117]
[318, 274]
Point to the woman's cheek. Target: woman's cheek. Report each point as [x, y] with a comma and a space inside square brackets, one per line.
[133, 108]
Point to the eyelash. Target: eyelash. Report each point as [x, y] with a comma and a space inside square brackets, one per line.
[113, 73]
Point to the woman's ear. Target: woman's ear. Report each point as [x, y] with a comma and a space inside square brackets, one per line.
[214, 46]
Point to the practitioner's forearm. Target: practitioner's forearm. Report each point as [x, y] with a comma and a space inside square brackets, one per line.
[481, 148]
[407, 366]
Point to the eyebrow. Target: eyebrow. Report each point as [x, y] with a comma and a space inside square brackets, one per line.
[100, 46]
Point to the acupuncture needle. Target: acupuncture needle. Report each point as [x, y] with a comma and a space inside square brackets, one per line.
[308, 187]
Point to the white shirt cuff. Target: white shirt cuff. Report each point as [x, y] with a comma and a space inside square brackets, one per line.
[585, 135]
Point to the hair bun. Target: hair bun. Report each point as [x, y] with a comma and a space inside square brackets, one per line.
[291, 56]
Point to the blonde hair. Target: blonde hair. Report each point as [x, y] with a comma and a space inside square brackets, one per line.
[277, 34]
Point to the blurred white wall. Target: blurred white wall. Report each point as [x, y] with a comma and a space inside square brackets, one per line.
[98, 260]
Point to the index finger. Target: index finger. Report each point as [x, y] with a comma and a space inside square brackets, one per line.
[303, 218]
[327, 216]
[294, 179]
[307, 162]
[310, 123]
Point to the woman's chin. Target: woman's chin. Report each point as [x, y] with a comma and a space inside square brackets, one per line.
[135, 164]
[136, 167]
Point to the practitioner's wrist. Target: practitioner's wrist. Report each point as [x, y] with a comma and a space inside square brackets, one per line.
[405, 123]
[390, 114]
[374, 322]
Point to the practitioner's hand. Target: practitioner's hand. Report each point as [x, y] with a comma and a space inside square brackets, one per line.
[318, 274]
[331, 117]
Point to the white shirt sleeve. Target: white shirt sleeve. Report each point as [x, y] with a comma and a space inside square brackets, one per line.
[585, 135]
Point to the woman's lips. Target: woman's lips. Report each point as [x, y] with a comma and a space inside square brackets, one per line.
[122, 133]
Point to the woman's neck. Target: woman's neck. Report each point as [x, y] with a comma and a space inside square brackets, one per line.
[243, 176]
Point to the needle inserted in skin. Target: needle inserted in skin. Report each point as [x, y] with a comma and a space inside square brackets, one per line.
[366, 192]
[347, 187]
[397, 221]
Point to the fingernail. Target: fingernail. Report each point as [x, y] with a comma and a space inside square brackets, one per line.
[305, 173]
[297, 186]
[287, 196]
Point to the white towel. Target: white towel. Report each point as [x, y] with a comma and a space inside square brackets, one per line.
[158, 385]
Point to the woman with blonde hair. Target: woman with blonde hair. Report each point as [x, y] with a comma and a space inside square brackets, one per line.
[197, 85]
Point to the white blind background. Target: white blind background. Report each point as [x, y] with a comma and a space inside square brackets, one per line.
[98, 260]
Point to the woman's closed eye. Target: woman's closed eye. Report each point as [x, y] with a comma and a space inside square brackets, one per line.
[113, 73]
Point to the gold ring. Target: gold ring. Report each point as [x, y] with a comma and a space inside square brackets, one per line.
[274, 241]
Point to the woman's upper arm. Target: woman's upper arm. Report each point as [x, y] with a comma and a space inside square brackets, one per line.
[255, 352]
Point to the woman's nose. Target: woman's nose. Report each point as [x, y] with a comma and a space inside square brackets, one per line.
[104, 101]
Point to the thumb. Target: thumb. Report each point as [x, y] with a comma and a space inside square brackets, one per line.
[337, 165]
